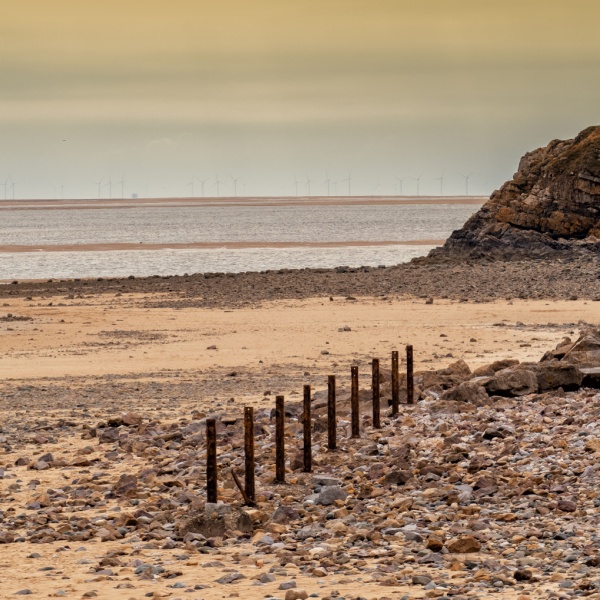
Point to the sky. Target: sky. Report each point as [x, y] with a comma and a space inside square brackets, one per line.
[353, 95]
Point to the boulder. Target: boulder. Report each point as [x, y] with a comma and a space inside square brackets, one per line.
[512, 382]
[552, 375]
[464, 544]
[468, 391]
[216, 520]
[585, 352]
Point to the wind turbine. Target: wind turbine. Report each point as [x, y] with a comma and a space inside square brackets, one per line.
[5, 184]
[14, 184]
[400, 180]
[217, 183]
[466, 182]
[296, 185]
[191, 184]
[349, 180]
[418, 180]
[122, 184]
[308, 182]
[99, 184]
[327, 182]
[109, 186]
[235, 180]
[441, 180]
[202, 184]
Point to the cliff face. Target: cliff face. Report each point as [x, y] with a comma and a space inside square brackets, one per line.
[551, 205]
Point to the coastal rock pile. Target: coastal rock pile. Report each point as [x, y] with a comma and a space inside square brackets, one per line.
[551, 205]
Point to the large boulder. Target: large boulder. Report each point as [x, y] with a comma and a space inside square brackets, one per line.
[551, 376]
[511, 382]
[585, 352]
[550, 205]
[468, 391]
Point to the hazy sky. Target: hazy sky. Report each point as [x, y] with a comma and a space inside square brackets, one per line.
[159, 92]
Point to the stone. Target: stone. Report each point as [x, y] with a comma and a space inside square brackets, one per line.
[467, 391]
[464, 544]
[566, 505]
[551, 376]
[216, 520]
[287, 585]
[523, 575]
[512, 382]
[329, 494]
[296, 595]
[435, 542]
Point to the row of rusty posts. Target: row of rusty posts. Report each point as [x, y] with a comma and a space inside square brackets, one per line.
[248, 491]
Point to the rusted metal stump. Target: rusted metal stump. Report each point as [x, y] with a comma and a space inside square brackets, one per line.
[375, 387]
[331, 416]
[395, 384]
[249, 466]
[410, 385]
[211, 461]
[279, 440]
[307, 422]
[355, 403]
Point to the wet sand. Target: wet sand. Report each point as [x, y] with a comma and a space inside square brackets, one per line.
[209, 246]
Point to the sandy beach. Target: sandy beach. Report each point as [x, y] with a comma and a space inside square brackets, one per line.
[86, 358]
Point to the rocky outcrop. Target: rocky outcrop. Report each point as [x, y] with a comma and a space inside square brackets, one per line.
[551, 205]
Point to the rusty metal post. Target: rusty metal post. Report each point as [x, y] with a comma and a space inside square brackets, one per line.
[395, 384]
[375, 387]
[249, 468]
[307, 422]
[410, 385]
[279, 440]
[355, 403]
[211, 461]
[331, 416]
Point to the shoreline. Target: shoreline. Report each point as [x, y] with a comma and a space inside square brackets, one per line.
[285, 201]
[109, 247]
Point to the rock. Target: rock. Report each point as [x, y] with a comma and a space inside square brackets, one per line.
[435, 542]
[585, 352]
[126, 486]
[548, 207]
[420, 579]
[523, 575]
[329, 494]
[132, 419]
[551, 376]
[512, 382]
[109, 435]
[287, 585]
[230, 578]
[216, 520]
[296, 595]
[566, 505]
[591, 377]
[468, 391]
[397, 477]
[464, 545]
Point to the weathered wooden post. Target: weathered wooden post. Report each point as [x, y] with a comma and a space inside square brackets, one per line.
[395, 384]
[355, 403]
[211, 461]
[249, 469]
[279, 440]
[331, 416]
[306, 418]
[375, 387]
[410, 386]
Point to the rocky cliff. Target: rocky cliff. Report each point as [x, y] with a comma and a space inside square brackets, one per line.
[552, 205]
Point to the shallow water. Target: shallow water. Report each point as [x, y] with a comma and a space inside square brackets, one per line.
[218, 224]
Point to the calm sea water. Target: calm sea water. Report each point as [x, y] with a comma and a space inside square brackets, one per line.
[218, 224]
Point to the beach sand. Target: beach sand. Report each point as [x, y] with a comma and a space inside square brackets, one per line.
[84, 349]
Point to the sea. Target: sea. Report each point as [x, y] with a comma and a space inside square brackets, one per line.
[344, 225]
